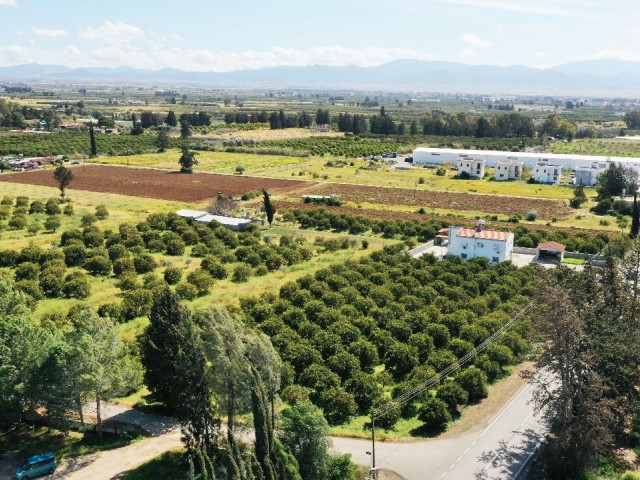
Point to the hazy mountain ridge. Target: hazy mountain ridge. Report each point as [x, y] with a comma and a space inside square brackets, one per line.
[589, 78]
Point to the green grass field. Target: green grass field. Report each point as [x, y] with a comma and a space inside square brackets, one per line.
[613, 147]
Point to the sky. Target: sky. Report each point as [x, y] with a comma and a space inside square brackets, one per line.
[225, 35]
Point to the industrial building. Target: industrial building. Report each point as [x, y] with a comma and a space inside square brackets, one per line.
[424, 155]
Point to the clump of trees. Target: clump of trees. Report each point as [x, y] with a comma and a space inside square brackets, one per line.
[207, 364]
[415, 317]
[589, 388]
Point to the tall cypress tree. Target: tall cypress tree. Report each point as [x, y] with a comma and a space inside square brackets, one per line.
[269, 209]
[92, 138]
[261, 427]
[635, 219]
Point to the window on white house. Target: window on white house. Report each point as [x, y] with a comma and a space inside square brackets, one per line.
[463, 255]
[495, 260]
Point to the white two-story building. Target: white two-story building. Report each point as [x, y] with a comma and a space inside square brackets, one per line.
[544, 172]
[468, 243]
[588, 174]
[472, 166]
[508, 170]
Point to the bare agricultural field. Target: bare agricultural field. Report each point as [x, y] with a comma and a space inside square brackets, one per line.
[493, 204]
[155, 183]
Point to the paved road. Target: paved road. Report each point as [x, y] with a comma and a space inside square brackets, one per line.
[498, 451]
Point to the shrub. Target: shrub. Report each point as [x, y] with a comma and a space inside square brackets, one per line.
[112, 311]
[453, 395]
[52, 223]
[92, 237]
[118, 251]
[75, 255]
[365, 244]
[144, 263]
[31, 288]
[77, 285]
[441, 172]
[5, 212]
[128, 281]
[175, 247]
[34, 228]
[52, 284]
[6, 200]
[18, 222]
[261, 271]
[201, 280]
[101, 212]
[136, 303]
[186, 291]
[22, 201]
[337, 405]
[27, 271]
[421, 181]
[52, 207]
[241, 273]
[532, 215]
[435, 415]
[123, 265]
[172, 275]
[474, 381]
[88, 219]
[98, 265]
[68, 209]
[36, 207]
[213, 267]
[8, 258]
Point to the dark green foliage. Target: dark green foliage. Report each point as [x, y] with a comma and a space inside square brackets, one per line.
[101, 212]
[172, 275]
[474, 381]
[98, 265]
[269, 208]
[187, 160]
[453, 395]
[435, 415]
[201, 280]
[616, 179]
[144, 263]
[241, 274]
[63, 177]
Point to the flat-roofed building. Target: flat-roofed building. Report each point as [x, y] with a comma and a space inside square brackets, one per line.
[508, 170]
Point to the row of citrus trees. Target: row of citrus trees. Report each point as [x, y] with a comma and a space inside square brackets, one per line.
[355, 335]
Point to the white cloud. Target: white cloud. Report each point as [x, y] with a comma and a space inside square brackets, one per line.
[468, 54]
[52, 33]
[564, 8]
[152, 55]
[476, 41]
[541, 55]
[612, 54]
[8, 3]
[113, 33]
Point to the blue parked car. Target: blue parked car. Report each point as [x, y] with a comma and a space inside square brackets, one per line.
[36, 466]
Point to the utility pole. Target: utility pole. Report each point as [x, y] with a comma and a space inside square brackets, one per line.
[373, 441]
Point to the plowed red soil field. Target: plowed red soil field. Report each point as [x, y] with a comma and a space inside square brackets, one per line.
[443, 200]
[139, 182]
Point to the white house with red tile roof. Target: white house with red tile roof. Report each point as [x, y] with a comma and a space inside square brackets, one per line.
[476, 242]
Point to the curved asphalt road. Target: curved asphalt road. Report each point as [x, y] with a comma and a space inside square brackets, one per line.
[500, 451]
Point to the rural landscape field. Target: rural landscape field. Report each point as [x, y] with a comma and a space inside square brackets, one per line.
[318, 262]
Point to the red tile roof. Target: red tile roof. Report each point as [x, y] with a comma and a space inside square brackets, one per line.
[554, 245]
[484, 234]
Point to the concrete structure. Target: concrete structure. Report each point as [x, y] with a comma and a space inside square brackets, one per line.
[451, 156]
[550, 250]
[544, 172]
[471, 166]
[589, 174]
[477, 242]
[508, 170]
[232, 223]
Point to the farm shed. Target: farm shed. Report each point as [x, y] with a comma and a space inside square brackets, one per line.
[442, 237]
[205, 218]
[232, 223]
[551, 251]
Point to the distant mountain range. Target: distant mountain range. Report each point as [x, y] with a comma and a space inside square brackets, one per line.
[607, 78]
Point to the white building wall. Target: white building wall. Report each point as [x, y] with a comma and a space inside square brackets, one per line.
[547, 173]
[529, 159]
[475, 168]
[466, 248]
[508, 170]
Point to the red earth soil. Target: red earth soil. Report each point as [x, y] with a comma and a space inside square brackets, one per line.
[139, 182]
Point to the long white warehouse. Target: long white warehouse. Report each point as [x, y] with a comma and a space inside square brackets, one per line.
[529, 159]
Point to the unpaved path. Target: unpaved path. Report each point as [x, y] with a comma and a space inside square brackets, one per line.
[113, 464]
